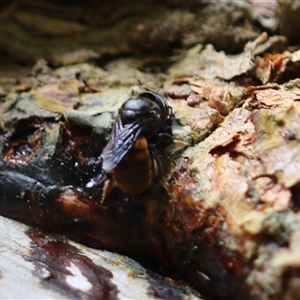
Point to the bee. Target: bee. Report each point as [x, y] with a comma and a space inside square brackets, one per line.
[130, 156]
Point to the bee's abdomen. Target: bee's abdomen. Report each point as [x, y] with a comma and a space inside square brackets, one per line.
[133, 174]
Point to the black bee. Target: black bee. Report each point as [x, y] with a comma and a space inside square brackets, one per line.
[130, 154]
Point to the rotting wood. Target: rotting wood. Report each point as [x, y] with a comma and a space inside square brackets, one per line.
[229, 222]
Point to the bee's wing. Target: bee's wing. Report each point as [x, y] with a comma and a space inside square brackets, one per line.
[121, 140]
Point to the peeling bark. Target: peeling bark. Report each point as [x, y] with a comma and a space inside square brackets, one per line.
[227, 223]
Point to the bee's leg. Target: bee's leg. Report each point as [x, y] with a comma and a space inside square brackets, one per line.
[157, 165]
[164, 137]
[109, 185]
[158, 168]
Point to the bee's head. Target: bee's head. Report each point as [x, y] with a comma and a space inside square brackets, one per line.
[148, 108]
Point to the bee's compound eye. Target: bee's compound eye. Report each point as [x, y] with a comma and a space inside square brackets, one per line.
[160, 101]
[155, 115]
[127, 116]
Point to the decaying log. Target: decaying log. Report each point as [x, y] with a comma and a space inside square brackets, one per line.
[227, 223]
[62, 31]
[37, 265]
